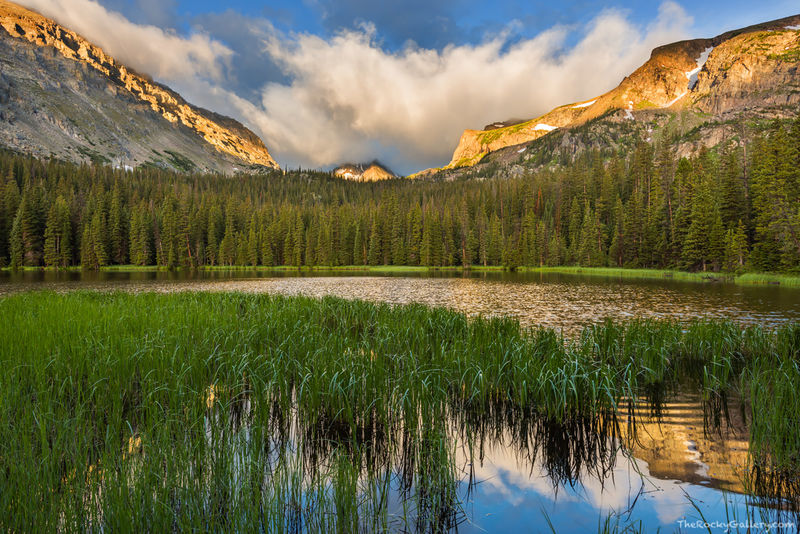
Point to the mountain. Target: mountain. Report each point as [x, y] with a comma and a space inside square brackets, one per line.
[363, 172]
[746, 70]
[64, 97]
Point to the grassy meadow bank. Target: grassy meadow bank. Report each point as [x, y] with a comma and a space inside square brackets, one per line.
[230, 412]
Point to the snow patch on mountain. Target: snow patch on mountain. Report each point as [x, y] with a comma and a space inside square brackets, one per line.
[701, 61]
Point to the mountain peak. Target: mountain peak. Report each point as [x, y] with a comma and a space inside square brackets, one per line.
[363, 172]
[228, 138]
[725, 73]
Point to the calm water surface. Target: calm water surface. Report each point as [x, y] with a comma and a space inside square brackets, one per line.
[676, 469]
[565, 302]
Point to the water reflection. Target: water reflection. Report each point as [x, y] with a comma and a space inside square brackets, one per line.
[560, 301]
[497, 467]
[653, 469]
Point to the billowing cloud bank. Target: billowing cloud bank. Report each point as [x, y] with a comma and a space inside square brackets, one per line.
[348, 99]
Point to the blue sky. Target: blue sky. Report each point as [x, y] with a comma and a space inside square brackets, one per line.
[436, 23]
[324, 82]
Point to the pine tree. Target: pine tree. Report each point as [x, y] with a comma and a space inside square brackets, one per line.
[215, 231]
[88, 258]
[375, 253]
[118, 228]
[253, 245]
[57, 235]
[574, 228]
[495, 241]
[9, 204]
[316, 245]
[267, 256]
[397, 241]
[288, 244]
[16, 243]
[98, 240]
[776, 188]
[299, 233]
[592, 242]
[241, 249]
[736, 249]
[415, 236]
[616, 251]
[732, 201]
[359, 257]
[31, 226]
[483, 237]
[682, 212]
[227, 247]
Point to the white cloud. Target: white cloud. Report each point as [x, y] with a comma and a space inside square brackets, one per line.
[348, 99]
[348, 91]
[162, 54]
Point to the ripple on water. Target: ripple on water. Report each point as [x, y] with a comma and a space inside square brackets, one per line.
[562, 302]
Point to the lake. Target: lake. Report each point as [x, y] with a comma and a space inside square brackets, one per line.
[560, 301]
[682, 462]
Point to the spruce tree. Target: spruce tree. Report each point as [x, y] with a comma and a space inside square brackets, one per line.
[99, 233]
[88, 258]
[415, 236]
[118, 228]
[358, 247]
[253, 245]
[375, 253]
[9, 204]
[215, 231]
[736, 250]
[227, 247]
[16, 243]
[57, 235]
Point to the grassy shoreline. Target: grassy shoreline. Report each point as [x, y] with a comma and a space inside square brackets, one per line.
[152, 411]
[753, 279]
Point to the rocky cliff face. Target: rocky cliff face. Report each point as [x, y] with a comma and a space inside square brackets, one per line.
[62, 96]
[751, 67]
[754, 69]
[363, 172]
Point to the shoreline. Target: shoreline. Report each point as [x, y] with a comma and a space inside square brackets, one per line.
[755, 279]
[752, 279]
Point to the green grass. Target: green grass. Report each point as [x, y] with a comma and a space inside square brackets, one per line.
[230, 412]
[654, 274]
[783, 280]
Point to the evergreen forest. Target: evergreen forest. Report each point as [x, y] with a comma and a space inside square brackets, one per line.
[734, 208]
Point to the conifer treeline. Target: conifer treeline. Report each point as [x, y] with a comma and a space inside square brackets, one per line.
[731, 209]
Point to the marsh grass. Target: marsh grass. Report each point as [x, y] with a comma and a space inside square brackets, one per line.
[230, 412]
[783, 280]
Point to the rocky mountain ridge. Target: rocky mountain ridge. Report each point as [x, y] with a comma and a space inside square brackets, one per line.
[743, 69]
[363, 172]
[62, 96]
